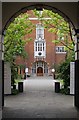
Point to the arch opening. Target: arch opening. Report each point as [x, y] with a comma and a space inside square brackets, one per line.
[39, 70]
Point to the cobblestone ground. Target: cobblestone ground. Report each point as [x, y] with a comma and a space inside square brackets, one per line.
[39, 100]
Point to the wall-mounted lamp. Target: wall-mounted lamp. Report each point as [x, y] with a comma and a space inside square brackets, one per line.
[53, 70]
[48, 63]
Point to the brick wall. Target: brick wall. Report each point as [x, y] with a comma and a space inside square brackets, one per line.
[51, 55]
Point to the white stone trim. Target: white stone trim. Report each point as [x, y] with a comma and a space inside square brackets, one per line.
[60, 52]
[38, 18]
[72, 77]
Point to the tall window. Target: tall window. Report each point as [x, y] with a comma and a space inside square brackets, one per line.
[39, 46]
[39, 43]
[35, 46]
[39, 31]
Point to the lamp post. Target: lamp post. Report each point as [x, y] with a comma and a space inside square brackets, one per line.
[53, 71]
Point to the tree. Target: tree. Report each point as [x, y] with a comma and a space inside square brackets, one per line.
[56, 24]
[64, 73]
[14, 40]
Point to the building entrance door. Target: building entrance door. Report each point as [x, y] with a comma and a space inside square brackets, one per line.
[39, 71]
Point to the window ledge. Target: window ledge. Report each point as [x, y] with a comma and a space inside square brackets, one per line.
[60, 52]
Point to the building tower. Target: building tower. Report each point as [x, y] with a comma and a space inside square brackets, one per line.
[39, 67]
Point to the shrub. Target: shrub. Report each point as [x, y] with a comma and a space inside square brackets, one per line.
[65, 91]
[64, 73]
[14, 91]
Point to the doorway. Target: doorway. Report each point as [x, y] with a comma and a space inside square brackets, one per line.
[39, 71]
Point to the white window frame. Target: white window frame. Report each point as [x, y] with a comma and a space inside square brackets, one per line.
[60, 51]
[39, 43]
[39, 31]
[39, 47]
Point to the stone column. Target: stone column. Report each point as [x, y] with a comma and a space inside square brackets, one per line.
[77, 68]
[0, 78]
[77, 61]
[1, 70]
[72, 69]
[2, 56]
[36, 68]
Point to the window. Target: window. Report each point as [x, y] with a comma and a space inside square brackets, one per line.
[33, 70]
[39, 49]
[39, 46]
[36, 46]
[39, 31]
[39, 64]
[43, 46]
[60, 49]
[39, 43]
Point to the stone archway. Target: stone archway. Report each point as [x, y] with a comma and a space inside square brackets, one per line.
[39, 71]
[67, 13]
[24, 7]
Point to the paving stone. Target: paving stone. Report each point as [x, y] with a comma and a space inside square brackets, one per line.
[39, 100]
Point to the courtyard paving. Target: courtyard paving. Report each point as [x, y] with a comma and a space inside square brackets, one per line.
[39, 100]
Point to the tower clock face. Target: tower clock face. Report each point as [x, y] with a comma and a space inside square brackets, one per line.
[39, 53]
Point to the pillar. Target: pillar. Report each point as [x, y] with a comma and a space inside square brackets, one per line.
[0, 78]
[77, 61]
[2, 61]
[1, 70]
[77, 69]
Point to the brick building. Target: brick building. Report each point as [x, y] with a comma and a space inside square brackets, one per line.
[43, 54]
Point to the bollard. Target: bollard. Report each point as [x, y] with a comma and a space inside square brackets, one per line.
[57, 87]
[20, 86]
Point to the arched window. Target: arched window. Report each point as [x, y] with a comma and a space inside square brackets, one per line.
[39, 31]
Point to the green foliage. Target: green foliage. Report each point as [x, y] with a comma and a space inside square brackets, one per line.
[14, 73]
[17, 80]
[52, 30]
[14, 91]
[19, 76]
[56, 24]
[64, 72]
[55, 41]
[14, 41]
[65, 91]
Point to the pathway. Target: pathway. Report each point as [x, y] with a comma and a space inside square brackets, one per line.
[39, 101]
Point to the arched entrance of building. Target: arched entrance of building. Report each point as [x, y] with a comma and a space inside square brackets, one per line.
[39, 69]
